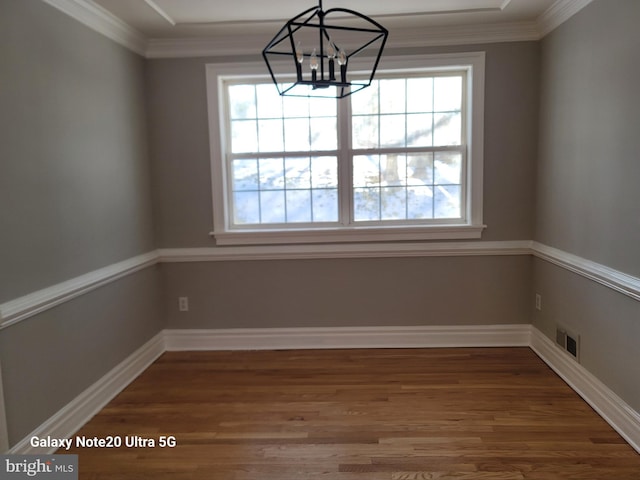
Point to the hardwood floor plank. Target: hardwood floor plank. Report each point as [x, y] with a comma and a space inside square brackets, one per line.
[414, 414]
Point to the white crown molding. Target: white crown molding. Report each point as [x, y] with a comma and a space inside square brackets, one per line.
[615, 411]
[248, 44]
[609, 277]
[29, 305]
[98, 19]
[558, 13]
[160, 11]
[463, 35]
[245, 43]
[81, 409]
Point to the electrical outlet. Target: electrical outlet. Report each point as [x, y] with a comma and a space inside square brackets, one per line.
[183, 304]
[538, 301]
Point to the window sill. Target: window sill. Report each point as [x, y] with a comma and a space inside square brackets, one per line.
[345, 235]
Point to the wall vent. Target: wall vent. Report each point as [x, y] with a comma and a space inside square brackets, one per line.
[568, 341]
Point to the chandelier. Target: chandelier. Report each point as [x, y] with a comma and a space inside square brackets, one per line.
[318, 46]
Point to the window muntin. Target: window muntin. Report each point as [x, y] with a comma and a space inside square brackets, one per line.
[441, 226]
[421, 111]
[284, 190]
[261, 121]
[411, 187]
[282, 164]
[405, 152]
[417, 122]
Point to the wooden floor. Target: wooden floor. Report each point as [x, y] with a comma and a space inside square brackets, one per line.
[460, 414]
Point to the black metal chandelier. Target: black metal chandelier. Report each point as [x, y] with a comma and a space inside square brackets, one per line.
[318, 46]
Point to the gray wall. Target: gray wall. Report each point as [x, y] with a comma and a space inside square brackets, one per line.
[588, 200]
[74, 196]
[179, 143]
[49, 359]
[350, 292]
[74, 175]
[345, 292]
[607, 322]
[77, 190]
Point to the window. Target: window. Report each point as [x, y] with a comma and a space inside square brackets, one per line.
[399, 160]
[408, 149]
[282, 162]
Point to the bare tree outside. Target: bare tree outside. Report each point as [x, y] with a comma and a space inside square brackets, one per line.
[406, 139]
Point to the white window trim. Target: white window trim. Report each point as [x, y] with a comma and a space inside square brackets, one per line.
[474, 62]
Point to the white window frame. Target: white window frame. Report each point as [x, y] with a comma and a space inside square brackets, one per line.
[473, 63]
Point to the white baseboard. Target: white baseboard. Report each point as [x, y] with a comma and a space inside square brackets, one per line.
[615, 411]
[348, 337]
[80, 410]
[73, 416]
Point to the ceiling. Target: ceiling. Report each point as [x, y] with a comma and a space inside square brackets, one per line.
[189, 18]
[170, 28]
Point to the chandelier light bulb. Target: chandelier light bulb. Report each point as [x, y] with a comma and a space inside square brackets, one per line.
[342, 57]
[313, 63]
[299, 60]
[342, 61]
[331, 51]
[299, 54]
